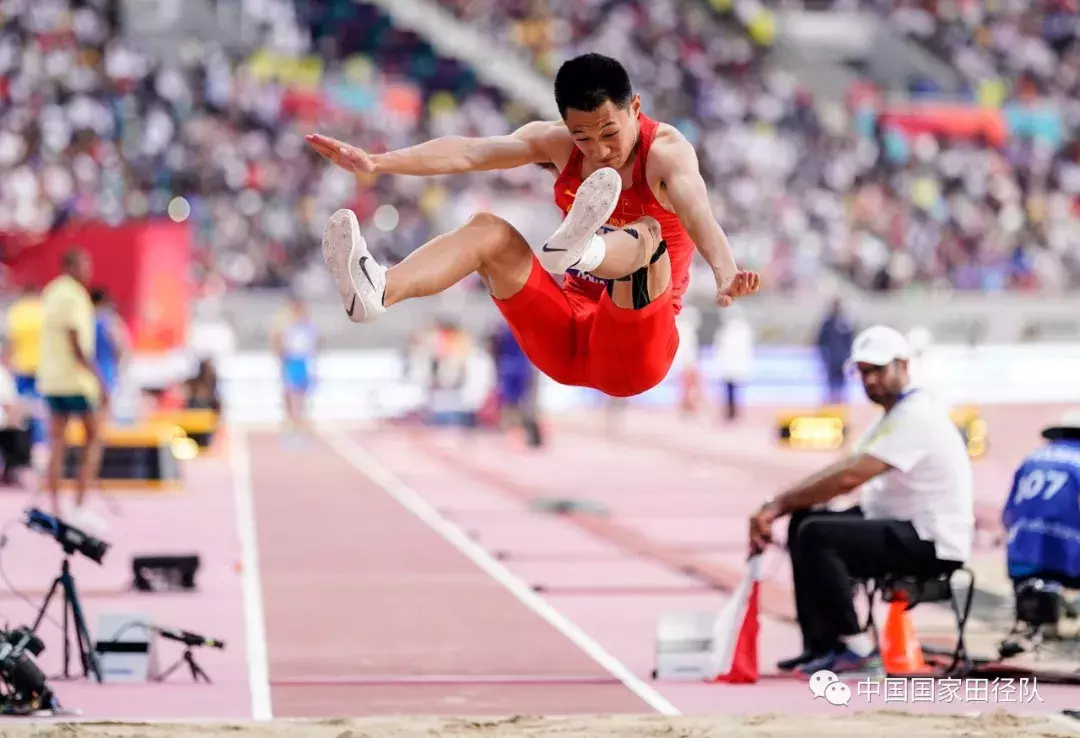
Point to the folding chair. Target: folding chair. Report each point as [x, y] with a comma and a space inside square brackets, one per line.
[915, 590]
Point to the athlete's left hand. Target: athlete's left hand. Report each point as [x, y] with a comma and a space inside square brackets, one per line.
[350, 158]
[742, 284]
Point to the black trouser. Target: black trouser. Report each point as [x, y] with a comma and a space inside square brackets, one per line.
[732, 400]
[831, 548]
[15, 450]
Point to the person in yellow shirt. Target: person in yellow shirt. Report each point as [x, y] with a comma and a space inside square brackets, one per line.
[24, 346]
[67, 377]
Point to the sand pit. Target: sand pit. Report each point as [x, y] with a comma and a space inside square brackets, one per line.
[880, 724]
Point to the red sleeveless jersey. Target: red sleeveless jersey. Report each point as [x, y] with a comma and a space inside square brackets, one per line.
[635, 202]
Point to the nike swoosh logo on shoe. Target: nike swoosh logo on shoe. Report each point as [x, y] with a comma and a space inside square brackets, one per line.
[549, 250]
[352, 306]
[363, 268]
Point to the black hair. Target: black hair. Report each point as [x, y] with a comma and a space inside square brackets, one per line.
[98, 296]
[588, 81]
[71, 258]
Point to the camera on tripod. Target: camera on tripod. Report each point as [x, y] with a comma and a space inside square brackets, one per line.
[72, 540]
[23, 687]
[1040, 605]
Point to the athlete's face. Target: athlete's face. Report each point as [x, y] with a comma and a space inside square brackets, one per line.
[883, 384]
[606, 136]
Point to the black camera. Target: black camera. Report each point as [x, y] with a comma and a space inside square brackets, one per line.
[1039, 602]
[1040, 605]
[68, 536]
[23, 687]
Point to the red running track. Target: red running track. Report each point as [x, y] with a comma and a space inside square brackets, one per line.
[372, 605]
[199, 519]
[614, 580]
[370, 612]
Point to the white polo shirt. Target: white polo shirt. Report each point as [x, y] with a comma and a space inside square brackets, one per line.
[931, 482]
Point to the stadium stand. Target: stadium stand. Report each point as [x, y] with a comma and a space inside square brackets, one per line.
[97, 128]
[1010, 220]
[1003, 49]
[888, 207]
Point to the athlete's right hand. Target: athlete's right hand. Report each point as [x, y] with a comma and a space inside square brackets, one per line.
[350, 158]
[742, 284]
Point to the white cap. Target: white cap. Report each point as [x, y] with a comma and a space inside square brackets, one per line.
[879, 345]
[1068, 425]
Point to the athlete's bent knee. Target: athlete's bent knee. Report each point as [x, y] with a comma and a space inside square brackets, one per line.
[505, 256]
[497, 237]
[489, 222]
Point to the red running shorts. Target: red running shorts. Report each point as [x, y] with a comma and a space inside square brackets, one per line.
[583, 342]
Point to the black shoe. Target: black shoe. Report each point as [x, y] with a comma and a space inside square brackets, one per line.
[801, 660]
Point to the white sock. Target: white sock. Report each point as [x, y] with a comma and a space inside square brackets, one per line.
[860, 644]
[593, 254]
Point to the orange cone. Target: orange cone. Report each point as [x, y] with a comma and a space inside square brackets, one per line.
[901, 652]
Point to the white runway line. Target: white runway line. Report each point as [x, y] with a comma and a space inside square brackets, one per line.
[251, 581]
[411, 500]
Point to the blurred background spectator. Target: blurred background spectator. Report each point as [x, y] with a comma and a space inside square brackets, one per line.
[834, 347]
[734, 345]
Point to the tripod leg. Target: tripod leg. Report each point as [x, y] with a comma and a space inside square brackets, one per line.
[58, 583]
[196, 670]
[45, 605]
[82, 633]
[67, 641]
[165, 674]
[86, 650]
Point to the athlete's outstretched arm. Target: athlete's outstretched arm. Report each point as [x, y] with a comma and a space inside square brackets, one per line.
[529, 144]
[681, 179]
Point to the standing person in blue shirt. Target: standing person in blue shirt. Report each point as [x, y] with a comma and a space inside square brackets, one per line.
[111, 340]
[1042, 514]
[834, 347]
[295, 340]
[516, 384]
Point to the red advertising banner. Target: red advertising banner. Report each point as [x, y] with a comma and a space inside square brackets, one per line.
[143, 266]
[961, 121]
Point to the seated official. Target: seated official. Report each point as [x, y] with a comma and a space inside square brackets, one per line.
[916, 515]
[1042, 515]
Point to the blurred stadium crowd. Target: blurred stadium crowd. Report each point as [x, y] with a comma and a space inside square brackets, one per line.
[93, 127]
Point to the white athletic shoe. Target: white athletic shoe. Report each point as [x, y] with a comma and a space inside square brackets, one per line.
[576, 240]
[360, 279]
[87, 521]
